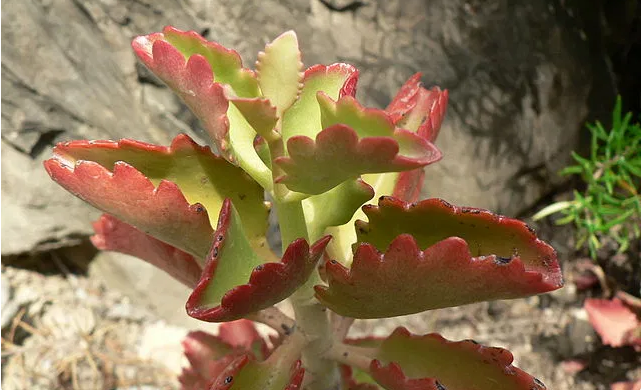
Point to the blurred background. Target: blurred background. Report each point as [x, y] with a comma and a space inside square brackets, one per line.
[524, 78]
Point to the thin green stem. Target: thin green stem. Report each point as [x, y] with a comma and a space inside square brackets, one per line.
[312, 318]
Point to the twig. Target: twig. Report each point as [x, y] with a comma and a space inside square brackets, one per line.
[275, 319]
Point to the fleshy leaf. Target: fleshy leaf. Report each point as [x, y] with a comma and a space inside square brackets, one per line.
[334, 80]
[412, 99]
[260, 114]
[115, 235]
[192, 79]
[335, 207]
[471, 255]
[196, 173]
[338, 154]
[405, 362]
[236, 282]
[614, 322]
[279, 71]
[197, 71]
[160, 211]
[225, 63]
[245, 373]
[405, 99]
[210, 355]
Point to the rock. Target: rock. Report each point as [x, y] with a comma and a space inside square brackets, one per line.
[517, 76]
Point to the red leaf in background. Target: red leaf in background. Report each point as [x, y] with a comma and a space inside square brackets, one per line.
[430, 106]
[113, 234]
[405, 99]
[635, 385]
[614, 322]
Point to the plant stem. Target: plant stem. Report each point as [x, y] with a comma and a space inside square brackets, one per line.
[312, 318]
[341, 325]
[351, 355]
[275, 319]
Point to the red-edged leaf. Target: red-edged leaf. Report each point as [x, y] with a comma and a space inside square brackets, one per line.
[409, 185]
[418, 109]
[236, 282]
[408, 362]
[334, 80]
[471, 255]
[614, 322]
[259, 113]
[197, 70]
[115, 235]
[162, 212]
[351, 383]
[391, 377]
[183, 171]
[338, 154]
[192, 80]
[405, 99]
[210, 355]
[248, 374]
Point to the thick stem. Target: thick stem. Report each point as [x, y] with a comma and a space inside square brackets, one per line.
[312, 318]
[351, 355]
[341, 325]
[275, 319]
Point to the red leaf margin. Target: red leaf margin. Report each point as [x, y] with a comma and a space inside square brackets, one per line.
[226, 379]
[269, 283]
[192, 79]
[112, 234]
[209, 355]
[382, 151]
[160, 207]
[368, 289]
[392, 376]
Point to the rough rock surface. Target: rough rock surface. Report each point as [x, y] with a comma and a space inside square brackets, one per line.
[519, 75]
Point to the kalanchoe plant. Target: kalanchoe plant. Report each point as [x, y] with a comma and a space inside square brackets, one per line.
[344, 182]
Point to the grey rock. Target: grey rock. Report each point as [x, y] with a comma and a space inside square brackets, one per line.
[519, 77]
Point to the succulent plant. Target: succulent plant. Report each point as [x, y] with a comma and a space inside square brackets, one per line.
[344, 181]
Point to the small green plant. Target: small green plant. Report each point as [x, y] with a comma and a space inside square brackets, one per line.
[610, 206]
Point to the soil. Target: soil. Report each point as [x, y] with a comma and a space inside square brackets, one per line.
[65, 330]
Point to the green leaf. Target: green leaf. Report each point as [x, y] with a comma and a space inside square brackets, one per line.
[471, 255]
[279, 71]
[197, 71]
[246, 373]
[226, 63]
[236, 281]
[432, 362]
[242, 137]
[301, 118]
[335, 207]
[198, 175]
[260, 114]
